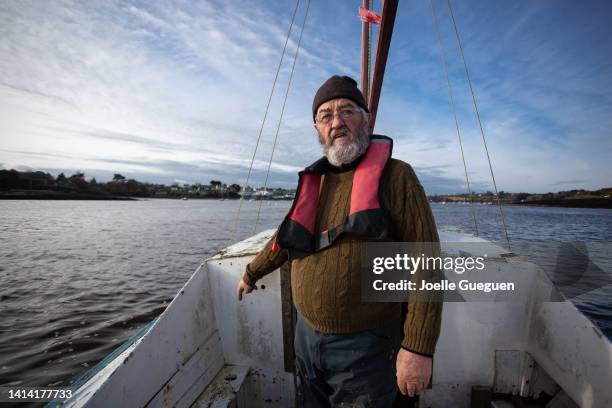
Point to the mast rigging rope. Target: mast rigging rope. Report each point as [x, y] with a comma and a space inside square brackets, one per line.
[484, 141]
[452, 100]
[280, 120]
[233, 235]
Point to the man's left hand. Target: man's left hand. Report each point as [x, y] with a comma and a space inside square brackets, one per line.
[413, 372]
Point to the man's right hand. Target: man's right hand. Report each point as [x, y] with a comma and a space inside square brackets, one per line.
[243, 287]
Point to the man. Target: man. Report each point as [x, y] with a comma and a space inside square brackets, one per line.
[348, 352]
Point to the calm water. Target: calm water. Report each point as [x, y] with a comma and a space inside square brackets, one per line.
[80, 277]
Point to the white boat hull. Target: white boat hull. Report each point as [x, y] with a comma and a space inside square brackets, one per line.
[521, 347]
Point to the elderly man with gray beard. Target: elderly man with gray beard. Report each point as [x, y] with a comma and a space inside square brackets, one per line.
[349, 352]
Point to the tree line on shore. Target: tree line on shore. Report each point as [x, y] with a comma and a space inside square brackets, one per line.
[40, 184]
[601, 198]
[14, 181]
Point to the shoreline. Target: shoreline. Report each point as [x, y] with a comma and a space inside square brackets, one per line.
[592, 202]
[99, 197]
[605, 203]
[572, 203]
[63, 197]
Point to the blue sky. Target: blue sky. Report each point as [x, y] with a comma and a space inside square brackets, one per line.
[176, 91]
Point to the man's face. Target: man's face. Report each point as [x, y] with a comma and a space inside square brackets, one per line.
[343, 130]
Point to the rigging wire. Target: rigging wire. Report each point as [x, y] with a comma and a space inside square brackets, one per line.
[235, 231]
[452, 100]
[484, 141]
[297, 50]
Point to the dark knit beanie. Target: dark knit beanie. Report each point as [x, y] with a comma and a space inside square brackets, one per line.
[338, 87]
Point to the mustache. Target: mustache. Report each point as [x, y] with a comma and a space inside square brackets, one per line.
[336, 133]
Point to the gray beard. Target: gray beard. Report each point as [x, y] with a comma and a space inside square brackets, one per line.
[339, 155]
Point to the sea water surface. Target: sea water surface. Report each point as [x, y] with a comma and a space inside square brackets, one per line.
[78, 278]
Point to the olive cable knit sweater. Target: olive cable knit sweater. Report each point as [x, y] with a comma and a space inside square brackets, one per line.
[326, 285]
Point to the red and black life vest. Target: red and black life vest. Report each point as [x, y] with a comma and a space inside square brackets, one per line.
[366, 218]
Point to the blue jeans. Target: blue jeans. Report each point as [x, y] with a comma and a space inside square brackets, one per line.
[346, 370]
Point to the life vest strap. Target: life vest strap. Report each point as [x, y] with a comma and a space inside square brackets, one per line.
[327, 237]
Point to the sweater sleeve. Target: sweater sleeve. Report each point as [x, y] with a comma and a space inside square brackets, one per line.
[415, 224]
[264, 263]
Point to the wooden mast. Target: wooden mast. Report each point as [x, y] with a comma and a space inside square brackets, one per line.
[389, 10]
[365, 54]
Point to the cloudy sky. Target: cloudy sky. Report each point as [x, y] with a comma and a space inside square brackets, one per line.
[176, 91]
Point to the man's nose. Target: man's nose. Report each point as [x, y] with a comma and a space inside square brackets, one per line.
[337, 121]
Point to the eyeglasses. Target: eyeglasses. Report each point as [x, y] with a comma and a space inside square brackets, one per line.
[326, 118]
